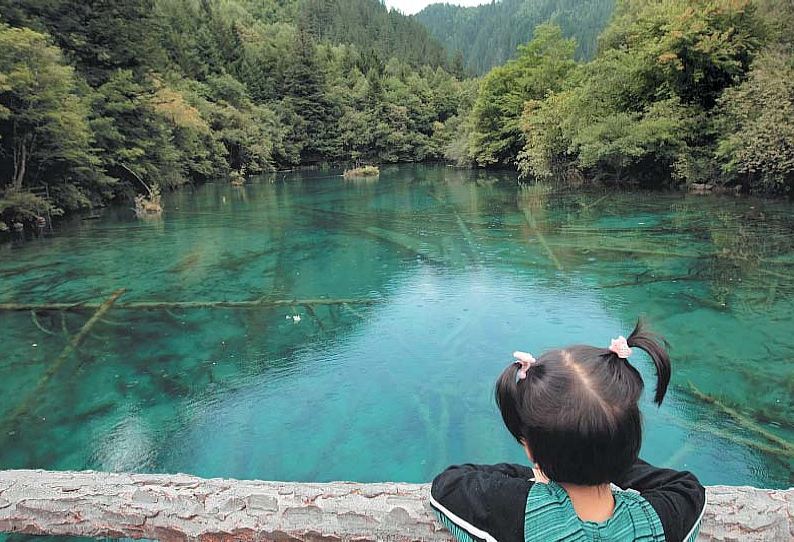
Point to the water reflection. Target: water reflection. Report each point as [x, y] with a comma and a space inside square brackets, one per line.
[397, 303]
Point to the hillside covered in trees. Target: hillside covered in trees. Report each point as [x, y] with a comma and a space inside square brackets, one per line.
[98, 99]
[680, 93]
[95, 95]
[488, 35]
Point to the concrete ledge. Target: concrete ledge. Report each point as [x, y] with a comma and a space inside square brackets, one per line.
[182, 507]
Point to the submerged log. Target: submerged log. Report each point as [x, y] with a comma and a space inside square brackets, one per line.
[745, 421]
[180, 507]
[52, 369]
[156, 305]
[533, 225]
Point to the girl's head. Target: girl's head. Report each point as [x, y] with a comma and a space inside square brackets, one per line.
[576, 409]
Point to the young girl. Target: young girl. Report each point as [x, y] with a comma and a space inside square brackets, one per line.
[575, 412]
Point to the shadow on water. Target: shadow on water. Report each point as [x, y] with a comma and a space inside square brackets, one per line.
[458, 269]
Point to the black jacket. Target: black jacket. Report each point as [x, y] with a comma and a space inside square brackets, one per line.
[491, 499]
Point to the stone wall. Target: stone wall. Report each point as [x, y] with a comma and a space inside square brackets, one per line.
[181, 507]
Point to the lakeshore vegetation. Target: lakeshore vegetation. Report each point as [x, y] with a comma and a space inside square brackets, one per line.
[106, 100]
[97, 95]
[680, 93]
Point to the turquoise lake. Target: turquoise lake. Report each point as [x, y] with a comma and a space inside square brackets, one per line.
[381, 313]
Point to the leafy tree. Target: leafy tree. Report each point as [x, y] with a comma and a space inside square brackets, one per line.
[640, 110]
[757, 143]
[44, 130]
[541, 67]
[305, 97]
[692, 50]
[99, 36]
[137, 140]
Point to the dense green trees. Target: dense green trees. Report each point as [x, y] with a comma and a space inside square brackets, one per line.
[681, 92]
[96, 96]
[44, 121]
[488, 35]
[757, 124]
[374, 30]
[652, 106]
[541, 67]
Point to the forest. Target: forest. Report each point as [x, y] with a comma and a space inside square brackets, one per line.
[99, 98]
[488, 35]
[680, 94]
[100, 101]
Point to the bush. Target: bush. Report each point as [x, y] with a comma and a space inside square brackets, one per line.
[364, 171]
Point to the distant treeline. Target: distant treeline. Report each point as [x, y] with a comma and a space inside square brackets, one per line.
[488, 35]
[96, 94]
[681, 92]
[98, 98]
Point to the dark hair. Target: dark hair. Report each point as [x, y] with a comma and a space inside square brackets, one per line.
[578, 411]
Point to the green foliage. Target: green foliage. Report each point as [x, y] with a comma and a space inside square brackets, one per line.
[693, 50]
[541, 67]
[17, 206]
[488, 35]
[164, 92]
[757, 144]
[98, 36]
[132, 134]
[372, 28]
[645, 108]
[44, 130]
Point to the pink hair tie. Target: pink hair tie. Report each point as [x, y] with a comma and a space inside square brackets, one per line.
[524, 361]
[620, 347]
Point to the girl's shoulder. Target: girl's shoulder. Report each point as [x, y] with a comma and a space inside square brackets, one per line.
[677, 497]
[502, 502]
[483, 502]
[550, 515]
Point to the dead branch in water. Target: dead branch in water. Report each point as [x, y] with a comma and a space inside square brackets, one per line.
[138, 178]
[744, 421]
[70, 347]
[166, 305]
[541, 238]
[38, 324]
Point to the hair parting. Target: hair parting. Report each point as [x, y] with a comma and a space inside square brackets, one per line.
[577, 408]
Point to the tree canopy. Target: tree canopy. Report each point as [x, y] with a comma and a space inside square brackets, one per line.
[96, 96]
[99, 98]
[680, 92]
[488, 35]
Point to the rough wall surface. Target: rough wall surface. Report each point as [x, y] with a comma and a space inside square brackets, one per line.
[181, 507]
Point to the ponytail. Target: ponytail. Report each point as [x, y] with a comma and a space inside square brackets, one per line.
[507, 399]
[655, 347]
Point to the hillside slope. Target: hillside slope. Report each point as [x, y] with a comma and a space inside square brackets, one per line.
[488, 35]
[370, 25]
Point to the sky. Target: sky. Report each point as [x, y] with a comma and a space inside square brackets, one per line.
[409, 7]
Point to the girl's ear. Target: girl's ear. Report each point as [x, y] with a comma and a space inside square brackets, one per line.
[527, 449]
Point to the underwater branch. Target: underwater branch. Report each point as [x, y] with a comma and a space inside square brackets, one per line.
[181, 507]
[158, 305]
